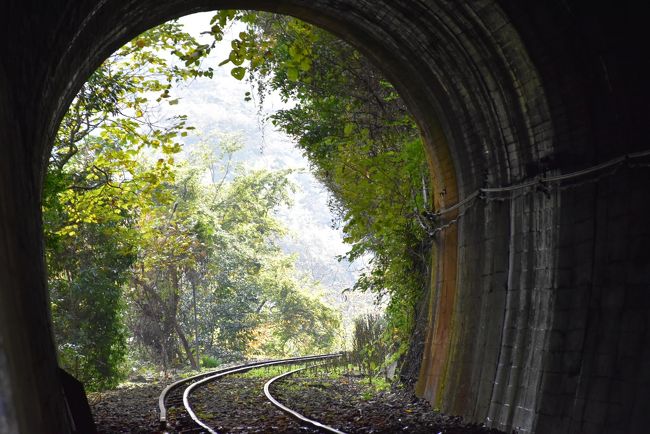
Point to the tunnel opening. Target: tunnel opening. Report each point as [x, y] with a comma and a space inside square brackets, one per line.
[138, 229]
[536, 319]
[462, 87]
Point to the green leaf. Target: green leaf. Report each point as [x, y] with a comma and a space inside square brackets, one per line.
[238, 72]
[305, 65]
[292, 74]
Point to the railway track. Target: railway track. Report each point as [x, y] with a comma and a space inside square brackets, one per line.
[302, 419]
[175, 400]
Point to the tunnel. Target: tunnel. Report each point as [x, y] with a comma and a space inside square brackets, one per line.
[534, 116]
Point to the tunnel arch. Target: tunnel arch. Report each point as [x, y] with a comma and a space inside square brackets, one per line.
[463, 80]
[480, 106]
[515, 324]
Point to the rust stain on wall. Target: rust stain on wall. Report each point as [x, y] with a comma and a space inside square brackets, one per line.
[433, 370]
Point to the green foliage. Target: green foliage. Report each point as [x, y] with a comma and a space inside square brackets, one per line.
[138, 246]
[136, 238]
[180, 259]
[362, 143]
[296, 320]
[96, 186]
[209, 266]
[268, 371]
[369, 351]
[210, 362]
[374, 386]
[86, 289]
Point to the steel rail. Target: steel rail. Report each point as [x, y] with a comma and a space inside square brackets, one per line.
[303, 419]
[240, 369]
[166, 391]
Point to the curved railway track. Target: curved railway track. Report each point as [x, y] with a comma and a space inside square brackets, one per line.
[299, 417]
[177, 395]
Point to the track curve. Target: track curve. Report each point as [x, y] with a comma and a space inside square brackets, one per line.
[301, 418]
[168, 394]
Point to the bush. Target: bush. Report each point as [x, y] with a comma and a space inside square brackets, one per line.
[369, 351]
[210, 362]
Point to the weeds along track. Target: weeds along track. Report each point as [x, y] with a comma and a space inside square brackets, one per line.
[177, 409]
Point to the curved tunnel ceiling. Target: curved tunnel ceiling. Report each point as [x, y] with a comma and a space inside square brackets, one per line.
[520, 310]
[466, 77]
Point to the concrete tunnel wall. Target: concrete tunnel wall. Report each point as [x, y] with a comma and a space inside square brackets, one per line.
[538, 314]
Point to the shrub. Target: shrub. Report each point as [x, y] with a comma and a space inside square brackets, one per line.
[369, 351]
[210, 362]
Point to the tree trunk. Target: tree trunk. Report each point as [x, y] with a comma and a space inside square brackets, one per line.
[196, 322]
[186, 347]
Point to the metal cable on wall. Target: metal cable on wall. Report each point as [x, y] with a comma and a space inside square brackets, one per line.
[430, 221]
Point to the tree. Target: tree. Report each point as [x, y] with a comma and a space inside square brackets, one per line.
[209, 265]
[96, 186]
[141, 249]
[361, 141]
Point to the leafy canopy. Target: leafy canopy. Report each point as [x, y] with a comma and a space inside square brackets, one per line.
[362, 144]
